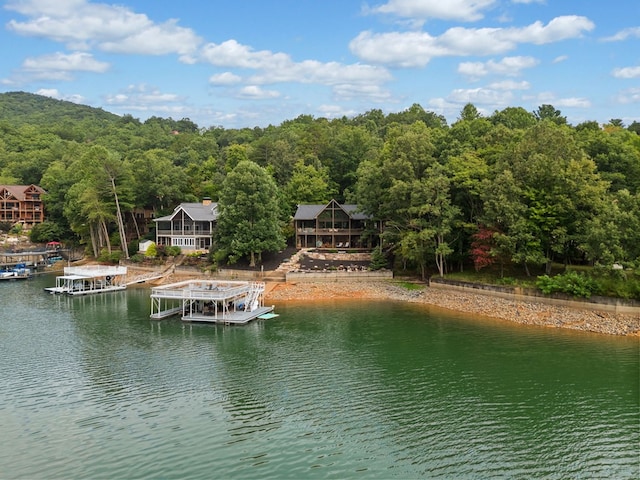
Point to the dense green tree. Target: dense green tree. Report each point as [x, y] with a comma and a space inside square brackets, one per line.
[542, 194]
[549, 112]
[307, 185]
[469, 112]
[409, 190]
[350, 147]
[616, 153]
[157, 182]
[248, 222]
[513, 117]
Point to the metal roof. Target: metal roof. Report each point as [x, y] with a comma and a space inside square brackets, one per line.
[311, 212]
[198, 212]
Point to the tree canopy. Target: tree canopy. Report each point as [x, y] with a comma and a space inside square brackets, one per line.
[517, 187]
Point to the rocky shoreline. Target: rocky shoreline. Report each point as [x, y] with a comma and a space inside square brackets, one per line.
[527, 313]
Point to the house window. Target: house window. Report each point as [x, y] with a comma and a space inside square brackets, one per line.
[183, 242]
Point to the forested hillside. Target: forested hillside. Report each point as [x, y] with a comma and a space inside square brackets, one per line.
[515, 187]
[26, 108]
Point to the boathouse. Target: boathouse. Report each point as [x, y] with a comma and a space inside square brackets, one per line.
[212, 301]
[86, 280]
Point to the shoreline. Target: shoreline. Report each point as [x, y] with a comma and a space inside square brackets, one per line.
[516, 311]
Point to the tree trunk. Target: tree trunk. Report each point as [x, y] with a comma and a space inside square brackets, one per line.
[252, 259]
[94, 240]
[135, 222]
[105, 235]
[123, 236]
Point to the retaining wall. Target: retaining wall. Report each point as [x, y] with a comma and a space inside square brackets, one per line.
[339, 276]
[604, 304]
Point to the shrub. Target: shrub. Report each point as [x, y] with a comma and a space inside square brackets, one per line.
[137, 258]
[45, 232]
[133, 246]
[113, 257]
[378, 260]
[152, 251]
[571, 283]
[173, 251]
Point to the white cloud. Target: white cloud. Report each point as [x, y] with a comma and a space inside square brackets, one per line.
[627, 72]
[82, 26]
[61, 62]
[481, 96]
[630, 95]
[510, 85]
[551, 99]
[416, 49]
[572, 102]
[623, 35]
[54, 93]
[510, 66]
[257, 93]
[280, 68]
[560, 58]
[335, 111]
[56, 67]
[226, 78]
[465, 10]
[145, 97]
[371, 93]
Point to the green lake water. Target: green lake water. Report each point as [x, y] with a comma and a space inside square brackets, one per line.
[92, 388]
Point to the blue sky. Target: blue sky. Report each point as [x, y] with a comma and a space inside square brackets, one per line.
[247, 63]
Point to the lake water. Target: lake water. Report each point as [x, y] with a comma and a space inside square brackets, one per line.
[92, 388]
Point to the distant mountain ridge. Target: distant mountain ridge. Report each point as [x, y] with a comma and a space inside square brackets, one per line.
[21, 108]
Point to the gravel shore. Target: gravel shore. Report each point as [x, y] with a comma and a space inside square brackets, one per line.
[529, 313]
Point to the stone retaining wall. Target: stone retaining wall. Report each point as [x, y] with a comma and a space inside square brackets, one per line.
[339, 276]
[605, 304]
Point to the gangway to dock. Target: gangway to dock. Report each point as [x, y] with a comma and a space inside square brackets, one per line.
[210, 301]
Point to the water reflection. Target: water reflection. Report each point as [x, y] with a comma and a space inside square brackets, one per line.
[335, 390]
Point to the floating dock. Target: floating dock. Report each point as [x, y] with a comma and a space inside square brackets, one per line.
[211, 301]
[18, 272]
[88, 280]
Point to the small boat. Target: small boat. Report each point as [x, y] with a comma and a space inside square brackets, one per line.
[90, 280]
[18, 272]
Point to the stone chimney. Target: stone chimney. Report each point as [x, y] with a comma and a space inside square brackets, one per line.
[206, 201]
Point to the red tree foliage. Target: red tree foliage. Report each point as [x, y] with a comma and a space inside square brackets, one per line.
[481, 247]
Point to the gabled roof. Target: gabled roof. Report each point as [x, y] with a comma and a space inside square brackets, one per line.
[311, 212]
[198, 212]
[19, 192]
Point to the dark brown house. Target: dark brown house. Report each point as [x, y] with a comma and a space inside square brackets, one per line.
[21, 204]
[333, 225]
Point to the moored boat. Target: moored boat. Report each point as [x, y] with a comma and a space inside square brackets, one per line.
[17, 272]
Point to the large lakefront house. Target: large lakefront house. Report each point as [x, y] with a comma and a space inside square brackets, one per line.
[21, 204]
[189, 227]
[333, 225]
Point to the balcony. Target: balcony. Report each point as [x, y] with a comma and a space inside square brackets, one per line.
[185, 233]
[329, 231]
